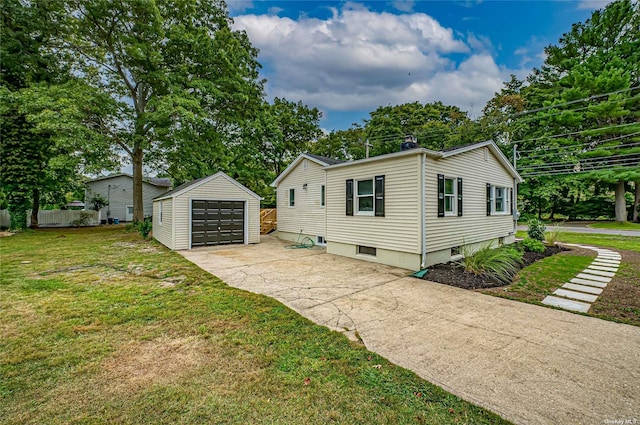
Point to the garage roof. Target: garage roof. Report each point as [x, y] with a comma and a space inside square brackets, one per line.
[185, 187]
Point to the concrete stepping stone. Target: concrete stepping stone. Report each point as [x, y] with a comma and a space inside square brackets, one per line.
[580, 296]
[603, 268]
[606, 261]
[610, 257]
[598, 272]
[583, 288]
[588, 282]
[592, 277]
[566, 304]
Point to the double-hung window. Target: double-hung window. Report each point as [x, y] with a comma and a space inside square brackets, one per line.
[364, 195]
[449, 196]
[498, 199]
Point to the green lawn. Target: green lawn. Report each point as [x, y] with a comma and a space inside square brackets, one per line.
[98, 326]
[619, 302]
[616, 226]
[629, 243]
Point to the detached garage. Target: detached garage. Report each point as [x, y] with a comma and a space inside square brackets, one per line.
[213, 210]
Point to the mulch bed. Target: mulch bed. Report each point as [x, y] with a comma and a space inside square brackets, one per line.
[454, 275]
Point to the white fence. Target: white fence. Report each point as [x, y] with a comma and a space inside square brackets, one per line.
[58, 218]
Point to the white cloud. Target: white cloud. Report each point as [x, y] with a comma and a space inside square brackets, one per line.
[404, 5]
[593, 4]
[358, 60]
[239, 6]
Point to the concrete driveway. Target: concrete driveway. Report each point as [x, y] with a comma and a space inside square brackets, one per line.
[530, 364]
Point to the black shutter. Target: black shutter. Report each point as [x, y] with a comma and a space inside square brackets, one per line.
[488, 199]
[440, 195]
[350, 197]
[379, 196]
[459, 196]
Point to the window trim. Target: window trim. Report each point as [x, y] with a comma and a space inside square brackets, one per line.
[291, 202]
[323, 196]
[358, 196]
[453, 196]
[492, 199]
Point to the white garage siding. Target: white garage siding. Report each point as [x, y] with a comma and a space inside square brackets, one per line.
[163, 222]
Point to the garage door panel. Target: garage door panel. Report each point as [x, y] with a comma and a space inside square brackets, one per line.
[217, 222]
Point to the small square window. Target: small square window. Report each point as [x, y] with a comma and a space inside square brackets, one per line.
[366, 250]
[320, 240]
[322, 195]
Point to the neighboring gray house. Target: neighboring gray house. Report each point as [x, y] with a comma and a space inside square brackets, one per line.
[213, 210]
[118, 190]
[409, 209]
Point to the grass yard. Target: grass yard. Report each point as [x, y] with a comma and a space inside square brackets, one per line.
[617, 226]
[619, 302]
[98, 326]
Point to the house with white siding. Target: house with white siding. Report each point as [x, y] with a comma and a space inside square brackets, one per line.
[411, 209]
[118, 190]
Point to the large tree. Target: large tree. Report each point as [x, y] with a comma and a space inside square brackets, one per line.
[181, 75]
[577, 121]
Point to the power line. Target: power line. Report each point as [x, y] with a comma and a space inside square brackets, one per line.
[581, 161]
[617, 166]
[569, 134]
[627, 145]
[596, 96]
[526, 120]
[599, 145]
[585, 167]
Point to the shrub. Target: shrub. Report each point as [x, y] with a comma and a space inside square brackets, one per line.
[499, 263]
[144, 228]
[532, 245]
[536, 230]
[552, 236]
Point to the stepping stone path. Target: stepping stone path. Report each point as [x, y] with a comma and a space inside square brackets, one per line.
[582, 290]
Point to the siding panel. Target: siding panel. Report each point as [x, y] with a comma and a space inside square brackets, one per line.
[307, 215]
[399, 229]
[474, 225]
[163, 233]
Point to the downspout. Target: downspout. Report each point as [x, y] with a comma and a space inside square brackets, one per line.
[423, 221]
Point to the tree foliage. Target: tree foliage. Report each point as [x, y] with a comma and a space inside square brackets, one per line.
[182, 78]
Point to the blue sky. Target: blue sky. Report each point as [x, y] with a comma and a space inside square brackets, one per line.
[348, 58]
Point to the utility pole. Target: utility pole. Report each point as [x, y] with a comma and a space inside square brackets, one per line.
[367, 145]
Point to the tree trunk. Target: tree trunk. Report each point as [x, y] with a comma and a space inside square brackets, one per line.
[35, 209]
[636, 203]
[138, 207]
[621, 203]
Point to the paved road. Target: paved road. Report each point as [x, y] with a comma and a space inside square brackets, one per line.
[576, 229]
[530, 364]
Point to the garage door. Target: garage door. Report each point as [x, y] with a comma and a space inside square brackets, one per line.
[217, 222]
